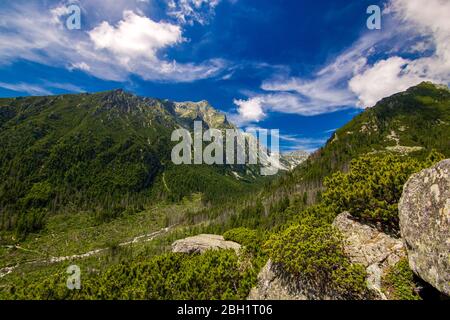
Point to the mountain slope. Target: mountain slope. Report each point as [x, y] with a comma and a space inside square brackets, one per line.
[413, 122]
[107, 150]
[293, 159]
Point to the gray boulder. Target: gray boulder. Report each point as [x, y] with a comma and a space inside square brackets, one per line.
[373, 249]
[363, 244]
[424, 212]
[203, 242]
[272, 285]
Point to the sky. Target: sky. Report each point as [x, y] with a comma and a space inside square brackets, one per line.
[303, 67]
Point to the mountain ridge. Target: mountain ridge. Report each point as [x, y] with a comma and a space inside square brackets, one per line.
[413, 122]
[110, 150]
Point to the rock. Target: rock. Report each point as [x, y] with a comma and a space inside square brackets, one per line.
[272, 286]
[424, 212]
[276, 284]
[368, 246]
[364, 245]
[203, 242]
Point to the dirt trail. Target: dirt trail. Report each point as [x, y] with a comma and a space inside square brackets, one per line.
[138, 239]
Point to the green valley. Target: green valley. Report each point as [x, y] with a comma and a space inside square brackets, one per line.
[87, 180]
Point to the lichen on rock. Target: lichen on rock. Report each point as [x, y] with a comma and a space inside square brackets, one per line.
[368, 246]
[424, 213]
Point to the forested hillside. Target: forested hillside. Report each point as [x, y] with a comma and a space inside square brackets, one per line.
[107, 153]
[413, 123]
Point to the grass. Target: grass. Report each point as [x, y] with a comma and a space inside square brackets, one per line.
[67, 235]
[72, 234]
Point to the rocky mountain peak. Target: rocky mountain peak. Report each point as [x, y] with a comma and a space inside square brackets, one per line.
[119, 99]
[202, 110]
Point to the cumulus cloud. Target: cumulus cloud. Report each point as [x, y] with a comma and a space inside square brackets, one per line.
[396, 74]
[251, 110]
[383, 79]
[111, 51]
[135, 37]
[256, 108]
[324, 92]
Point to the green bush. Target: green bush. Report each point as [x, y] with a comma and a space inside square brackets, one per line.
[349, 281]
[244, 236]
[372, 188]
[307, 250]
[316, 215]
[30, 221]
[39, 195]
[212, 275]
[252, 242]
[312, 250]
[398, 282]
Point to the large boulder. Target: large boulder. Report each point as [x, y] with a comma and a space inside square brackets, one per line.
[203, 242]
[424, 212]
[373, 249]
[363, 244]
[272, 285]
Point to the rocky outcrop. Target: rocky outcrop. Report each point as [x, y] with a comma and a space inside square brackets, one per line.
[276, 284]
[424, 212]
[203, 242]
[373, 249]
[273, 286]
[364, 245]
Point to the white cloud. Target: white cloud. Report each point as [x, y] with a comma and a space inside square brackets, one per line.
[290, 142]
[42, 89]
[79, 66]
[326, 91]
[251, 110]
[191, 11]
[383, 79]
[135, 37]
[25, 87]
[112, 51]
[349, 80]
[396, 74]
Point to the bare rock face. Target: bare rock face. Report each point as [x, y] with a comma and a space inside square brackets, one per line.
[424, 212]
[203, 242]
[371, 248]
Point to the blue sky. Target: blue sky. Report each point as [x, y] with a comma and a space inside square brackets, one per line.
[304, 67]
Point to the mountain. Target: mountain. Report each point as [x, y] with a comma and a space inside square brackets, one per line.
[104, 150]
[188, 112]
[291, 160]
[412, 122]
[77, 150]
